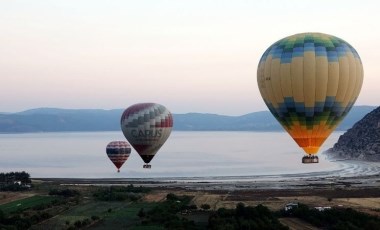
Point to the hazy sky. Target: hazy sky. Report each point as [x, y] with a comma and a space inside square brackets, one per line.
[191, 56]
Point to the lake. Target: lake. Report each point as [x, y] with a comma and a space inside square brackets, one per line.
[185, 154]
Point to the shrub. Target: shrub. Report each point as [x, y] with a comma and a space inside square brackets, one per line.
[78, 223]
[205, 206]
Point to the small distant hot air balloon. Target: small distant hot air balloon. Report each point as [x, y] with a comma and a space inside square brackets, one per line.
[309, 82]
[146, 126]
[118, 152]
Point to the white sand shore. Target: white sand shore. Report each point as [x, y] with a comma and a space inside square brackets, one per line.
[352, 174]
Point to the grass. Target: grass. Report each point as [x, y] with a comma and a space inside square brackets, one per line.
[26, 203]
[199, 217]
[81, 212]
[126, 218]
[122, 215]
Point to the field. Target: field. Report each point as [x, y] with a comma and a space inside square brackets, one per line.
[6, 197]
[366, 200]
[25, 203]
[118, 214]
[100, 214]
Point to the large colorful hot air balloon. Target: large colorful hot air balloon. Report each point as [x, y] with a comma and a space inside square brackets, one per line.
[309, 82]
[118, 152]
[146, 126]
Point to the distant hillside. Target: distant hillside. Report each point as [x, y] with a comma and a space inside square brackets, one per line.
[258, 121]
[60, 120]
[362, 141]
[57, 120]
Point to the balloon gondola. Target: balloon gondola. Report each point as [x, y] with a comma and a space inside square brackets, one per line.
[310, 159]
[309, 82]
[118, 152]
[146, 126]
[147, 166]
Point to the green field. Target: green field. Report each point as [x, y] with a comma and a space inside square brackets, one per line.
[126, 218]
[26, 203]
[113, 215]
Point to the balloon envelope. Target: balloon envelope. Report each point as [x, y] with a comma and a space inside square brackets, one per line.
[146, 126]
[118, 152]
[309, 82]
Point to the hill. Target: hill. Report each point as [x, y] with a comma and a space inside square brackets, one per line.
[362, 141]
[65, 120]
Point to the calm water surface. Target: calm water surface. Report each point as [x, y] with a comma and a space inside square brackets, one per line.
[185, 154]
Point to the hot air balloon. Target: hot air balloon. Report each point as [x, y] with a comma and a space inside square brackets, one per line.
[146, 126]
[309, 82]
[118, 152]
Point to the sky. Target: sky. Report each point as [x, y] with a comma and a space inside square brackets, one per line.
[191, 56]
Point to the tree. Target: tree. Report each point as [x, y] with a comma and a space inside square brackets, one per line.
[141, 213]
[172, 197]
[78, 223]
[205, 206]
[2, 216]
[240, 209]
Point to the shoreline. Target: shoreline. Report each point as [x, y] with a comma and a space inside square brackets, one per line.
[353, 174]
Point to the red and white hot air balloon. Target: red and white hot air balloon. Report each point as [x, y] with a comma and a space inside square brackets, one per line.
[146, 126]
[118, 152]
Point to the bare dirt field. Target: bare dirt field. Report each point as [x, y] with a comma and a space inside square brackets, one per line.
[365, 200]
[155, 196]
[361, 193]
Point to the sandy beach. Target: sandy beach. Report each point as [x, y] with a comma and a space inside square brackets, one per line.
[352, 174]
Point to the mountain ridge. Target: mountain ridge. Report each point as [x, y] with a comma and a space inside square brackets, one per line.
[62, 120]
[361, 142]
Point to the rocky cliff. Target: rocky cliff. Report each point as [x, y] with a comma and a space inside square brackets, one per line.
[361, 142]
